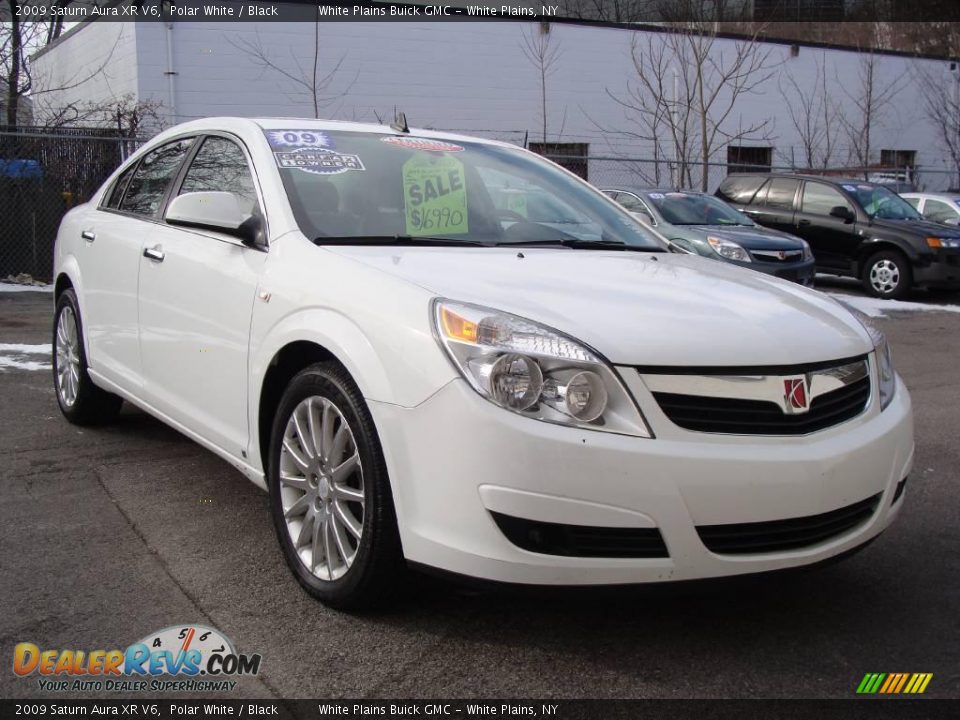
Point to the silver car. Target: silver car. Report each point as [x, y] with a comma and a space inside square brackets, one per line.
[943, 208]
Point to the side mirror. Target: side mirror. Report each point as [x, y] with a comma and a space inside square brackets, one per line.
[955, 221]
[218, 211]
[644, 216]
[843, 213]
[679, 249]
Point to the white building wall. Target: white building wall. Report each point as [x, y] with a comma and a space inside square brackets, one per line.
[92, 65]
[466, 76]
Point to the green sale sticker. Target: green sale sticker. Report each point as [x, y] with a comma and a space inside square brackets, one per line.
[435, 195]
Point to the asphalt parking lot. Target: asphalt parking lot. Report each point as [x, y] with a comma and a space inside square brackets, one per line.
[109, 534]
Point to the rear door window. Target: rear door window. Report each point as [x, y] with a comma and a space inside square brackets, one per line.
[820, 199]
[780, 193]
[152, 177]
[939, 211]
[113, 198]
[631, 203]
[740, 189]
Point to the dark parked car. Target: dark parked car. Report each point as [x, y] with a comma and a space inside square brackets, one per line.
[855, 228]
[701, 224]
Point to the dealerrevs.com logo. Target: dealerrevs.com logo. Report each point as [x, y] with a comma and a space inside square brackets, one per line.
[199, 658]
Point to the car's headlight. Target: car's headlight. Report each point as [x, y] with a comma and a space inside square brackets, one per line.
[728, 249]
[937, 242]
[535, 371]
[885, 372]
[807, 252]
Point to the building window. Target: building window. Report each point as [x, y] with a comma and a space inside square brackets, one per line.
[748, 159]
[572, 156]
[898, 158]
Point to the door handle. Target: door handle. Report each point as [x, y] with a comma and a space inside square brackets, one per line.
[154, 253]
[88, 235]
[803, 222]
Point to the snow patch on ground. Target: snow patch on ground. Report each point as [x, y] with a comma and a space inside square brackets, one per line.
[15, 288]
[14, 356]
[875, 307]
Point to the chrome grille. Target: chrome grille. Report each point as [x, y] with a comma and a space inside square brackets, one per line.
[764, 404]
[776, 255]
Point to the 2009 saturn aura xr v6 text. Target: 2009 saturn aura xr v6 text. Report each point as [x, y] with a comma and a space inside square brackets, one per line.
[420, 375]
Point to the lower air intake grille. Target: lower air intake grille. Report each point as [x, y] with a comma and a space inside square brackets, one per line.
[581, 540]
[758, 417]
[781, 535]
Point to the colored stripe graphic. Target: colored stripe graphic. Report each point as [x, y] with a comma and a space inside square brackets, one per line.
[870, 683]
[894, 683]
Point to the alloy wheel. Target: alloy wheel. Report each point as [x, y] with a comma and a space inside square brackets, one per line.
[322, 488]
[68, 357]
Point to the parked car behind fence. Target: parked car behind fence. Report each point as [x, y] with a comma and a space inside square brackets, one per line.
[701, 224]
[855, 228]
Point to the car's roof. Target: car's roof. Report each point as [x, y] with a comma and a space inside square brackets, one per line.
[833, 180]
[933, 195]
[653, 190]
[285, 123]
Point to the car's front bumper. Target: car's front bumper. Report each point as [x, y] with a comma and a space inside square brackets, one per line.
[798, 272]
[943, 271]
[456, 458]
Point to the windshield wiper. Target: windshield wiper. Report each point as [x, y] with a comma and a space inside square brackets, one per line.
[399, 240]
[576, 244]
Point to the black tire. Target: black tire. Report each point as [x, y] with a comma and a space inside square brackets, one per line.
[90, 405]
[894, 286]
[377, 565]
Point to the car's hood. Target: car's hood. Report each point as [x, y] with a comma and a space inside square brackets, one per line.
[752, 238]
[922, 228]
[638, 308]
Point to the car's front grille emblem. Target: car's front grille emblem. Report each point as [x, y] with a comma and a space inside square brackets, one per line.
[796, 399]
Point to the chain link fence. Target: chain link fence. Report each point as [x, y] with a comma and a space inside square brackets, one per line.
[43, 173]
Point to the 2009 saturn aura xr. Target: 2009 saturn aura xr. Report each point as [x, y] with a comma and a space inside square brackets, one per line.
[421, 372]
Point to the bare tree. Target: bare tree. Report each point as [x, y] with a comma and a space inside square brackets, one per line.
[18, 41]
[685, 90]
[132, 117]
[941, 101]
[538, 48]
[724, 15]
[871, 100]
[814, 115]
[610, 10]
[311, 82]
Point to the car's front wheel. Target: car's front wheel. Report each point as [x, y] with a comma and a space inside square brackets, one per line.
[887, 274]
[81, 402]
[329, 492]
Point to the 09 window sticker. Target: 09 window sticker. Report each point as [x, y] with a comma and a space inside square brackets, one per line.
[311, 151]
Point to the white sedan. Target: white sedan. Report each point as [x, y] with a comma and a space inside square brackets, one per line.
[937, 207]
[419, 376]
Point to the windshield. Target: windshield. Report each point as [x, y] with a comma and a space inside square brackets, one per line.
[681, 208]
[346, 186]
[878, 202]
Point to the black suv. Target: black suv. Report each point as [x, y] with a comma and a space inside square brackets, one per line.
[855, 228]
